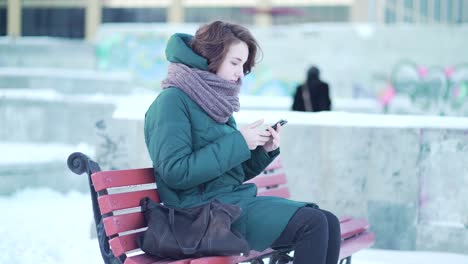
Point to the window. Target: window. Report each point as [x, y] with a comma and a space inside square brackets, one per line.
[208, 14]
[315, 14]
[53, 22]
[437, 10]
[124, 15]
[408, 12]
[3, 21]
[409, 5]
[450, 17]
[390, 17]
[460, 11]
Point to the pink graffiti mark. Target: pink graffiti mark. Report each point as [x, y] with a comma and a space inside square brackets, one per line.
[456, 92]
[387, 96]
[423, 197]
[449, 71]
[422, 71]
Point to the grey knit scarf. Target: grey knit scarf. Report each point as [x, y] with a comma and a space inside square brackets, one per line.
[218, 97]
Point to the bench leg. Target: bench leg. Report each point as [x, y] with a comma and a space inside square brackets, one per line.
[346, 260]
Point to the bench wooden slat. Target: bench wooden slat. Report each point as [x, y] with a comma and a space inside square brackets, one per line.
[145, 259]
[227, 259]
[345, 218]
[353, 227]
[270, 180]
[274, 165]
[119, 201]
[280, 192]
[353, 245]
[231, 259]
[125, 222]
[122, 244]
[119, 178]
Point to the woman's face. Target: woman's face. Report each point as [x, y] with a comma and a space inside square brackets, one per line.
[232, 67]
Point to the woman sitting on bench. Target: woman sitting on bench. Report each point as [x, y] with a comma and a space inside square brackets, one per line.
[199, 154]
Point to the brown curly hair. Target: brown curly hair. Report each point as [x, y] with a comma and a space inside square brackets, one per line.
[212, 41]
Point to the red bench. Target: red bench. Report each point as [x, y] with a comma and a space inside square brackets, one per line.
[116, 196]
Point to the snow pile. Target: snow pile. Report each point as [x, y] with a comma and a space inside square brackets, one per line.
[44, 226]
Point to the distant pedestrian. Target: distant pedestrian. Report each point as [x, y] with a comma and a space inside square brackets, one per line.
[313, 95]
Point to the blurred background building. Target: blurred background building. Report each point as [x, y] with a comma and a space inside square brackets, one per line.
[81, 18]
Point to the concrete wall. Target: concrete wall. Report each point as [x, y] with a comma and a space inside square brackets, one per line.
[46, 52]
[66, 81]
[42, 120]
[410, 182]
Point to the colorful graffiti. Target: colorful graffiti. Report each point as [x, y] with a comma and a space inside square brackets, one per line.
[444, 89]
[142, 54]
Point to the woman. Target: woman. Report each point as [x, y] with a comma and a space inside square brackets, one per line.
[199, 154]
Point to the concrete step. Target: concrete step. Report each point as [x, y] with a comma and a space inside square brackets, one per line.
[47, 116]
[73, 81]
[46, 52]
[26, 165]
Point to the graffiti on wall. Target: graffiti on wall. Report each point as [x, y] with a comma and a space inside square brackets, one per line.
[436, 88]
[440, 197]
[142, 54]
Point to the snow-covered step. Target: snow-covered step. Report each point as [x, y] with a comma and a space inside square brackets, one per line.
[27, 165]
[46, 52]
[74, 81]
[48, 116]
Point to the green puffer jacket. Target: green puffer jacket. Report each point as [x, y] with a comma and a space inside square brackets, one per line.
[196, 159]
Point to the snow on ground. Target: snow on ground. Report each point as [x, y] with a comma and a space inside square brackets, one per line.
[47, 227]
[44, 226]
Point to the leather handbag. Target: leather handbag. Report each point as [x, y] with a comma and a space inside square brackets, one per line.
[179, 233]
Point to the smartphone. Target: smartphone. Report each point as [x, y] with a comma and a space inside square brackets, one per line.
[282, 122]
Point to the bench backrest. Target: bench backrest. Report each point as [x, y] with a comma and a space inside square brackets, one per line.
[123, 227]
[272, 182]
[121, 191]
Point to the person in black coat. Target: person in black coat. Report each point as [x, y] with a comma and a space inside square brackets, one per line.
[313, 95]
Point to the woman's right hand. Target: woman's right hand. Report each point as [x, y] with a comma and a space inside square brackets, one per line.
[255, 136]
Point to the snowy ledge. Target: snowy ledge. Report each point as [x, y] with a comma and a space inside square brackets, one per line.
[354, 119]
[337, 119]
[82, 74]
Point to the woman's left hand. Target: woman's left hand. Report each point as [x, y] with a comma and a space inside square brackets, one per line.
[274, 141]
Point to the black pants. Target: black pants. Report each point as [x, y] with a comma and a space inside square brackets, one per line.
[314, 235]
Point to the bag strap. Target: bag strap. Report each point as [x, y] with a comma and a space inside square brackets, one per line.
[204, 219]
[306, 98]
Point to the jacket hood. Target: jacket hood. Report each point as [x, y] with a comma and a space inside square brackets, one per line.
[178, 50]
